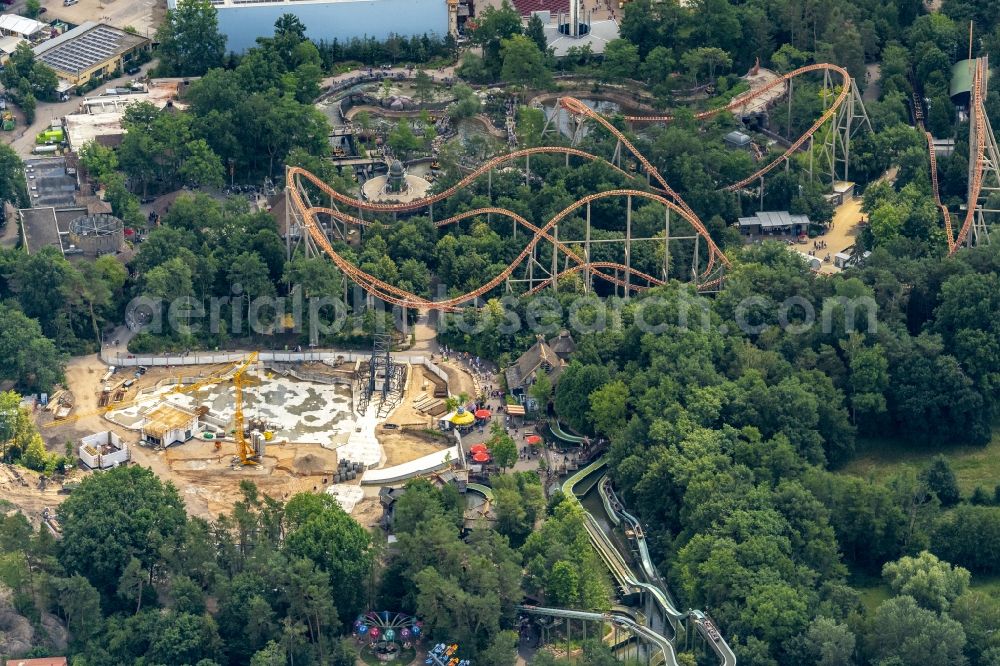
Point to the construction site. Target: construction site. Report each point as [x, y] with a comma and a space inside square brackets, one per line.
[289, 425]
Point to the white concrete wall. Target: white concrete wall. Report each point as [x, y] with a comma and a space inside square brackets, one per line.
[180, 434]
[108, 460]
[124, 359]
[326, 20]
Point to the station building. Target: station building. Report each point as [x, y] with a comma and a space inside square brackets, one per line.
[91, 50]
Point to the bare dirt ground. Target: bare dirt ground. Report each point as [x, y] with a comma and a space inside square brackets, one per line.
[403, 446]
[406, 414]
[459, 381]
[209, 480]
[26, 494]
[83, 379]
[143, 15]
[842, 232]
[206, 477]
[368, 512]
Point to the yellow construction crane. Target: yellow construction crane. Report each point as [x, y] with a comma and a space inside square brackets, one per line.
[248, 456]
[244, 448]
[115, 406]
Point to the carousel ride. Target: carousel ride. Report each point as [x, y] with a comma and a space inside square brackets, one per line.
[387, 634]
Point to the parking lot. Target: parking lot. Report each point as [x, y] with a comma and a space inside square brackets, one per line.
[143, 15]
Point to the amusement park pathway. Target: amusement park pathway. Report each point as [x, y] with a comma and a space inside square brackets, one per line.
[843, 232]
[436, 74]
[873, 84]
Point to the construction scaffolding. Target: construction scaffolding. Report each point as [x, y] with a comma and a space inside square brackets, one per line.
[380, 379]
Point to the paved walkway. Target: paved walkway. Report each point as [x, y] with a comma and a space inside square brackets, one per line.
[362, 444]
[24, 141]
[873, 88]
[366, 73]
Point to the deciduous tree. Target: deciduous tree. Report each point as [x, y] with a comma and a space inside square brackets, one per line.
[190, 41]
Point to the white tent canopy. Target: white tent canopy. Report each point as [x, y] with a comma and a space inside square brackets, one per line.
[12, 24]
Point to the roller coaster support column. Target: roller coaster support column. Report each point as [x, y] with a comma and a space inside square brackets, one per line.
[761, 193]
[990, 179]
[489, 192]
[577, 132]
[837, 143]
[335, 223]
[666, 246]
[811, 158]
[527, 172]
[830, 145]
[628, 246]
[694, 258]
[431, 212]
[588, 275]
[788, 124]
[288, 223]
[555, 258]
[853, 109]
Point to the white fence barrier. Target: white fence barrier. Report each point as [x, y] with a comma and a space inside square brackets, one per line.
[126, 360]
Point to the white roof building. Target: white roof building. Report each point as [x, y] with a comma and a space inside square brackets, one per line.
[82, 128]
[20, 26]
[814, 263]
[8, 44]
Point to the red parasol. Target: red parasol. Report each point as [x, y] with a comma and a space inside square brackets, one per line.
[483, 414]
[481, 457]
[533, 440]
[478, 448]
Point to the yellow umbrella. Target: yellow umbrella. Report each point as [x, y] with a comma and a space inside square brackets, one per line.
[463, 419]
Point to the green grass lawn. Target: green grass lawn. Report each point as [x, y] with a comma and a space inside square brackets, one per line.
[874, 591]
[988, 584]
[973, 465]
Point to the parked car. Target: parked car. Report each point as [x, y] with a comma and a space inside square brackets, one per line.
[132, 70]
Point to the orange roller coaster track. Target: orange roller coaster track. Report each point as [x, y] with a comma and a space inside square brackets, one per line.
[741, 101]
[396, 296]
[978, 122]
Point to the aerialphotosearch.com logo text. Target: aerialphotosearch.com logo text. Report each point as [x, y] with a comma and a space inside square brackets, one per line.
[544, 314]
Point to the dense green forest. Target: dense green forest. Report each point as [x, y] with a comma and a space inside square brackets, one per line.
[732, 429]
[136, 580]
